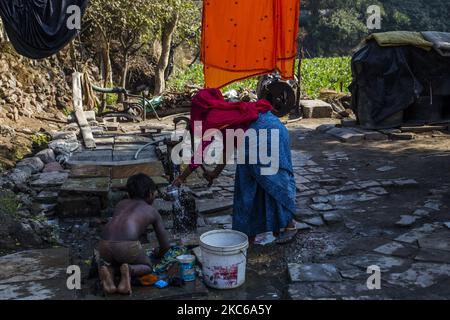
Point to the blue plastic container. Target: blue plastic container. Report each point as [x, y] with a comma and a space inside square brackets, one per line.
[187, 267]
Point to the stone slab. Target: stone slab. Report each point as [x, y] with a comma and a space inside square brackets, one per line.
[420, 275]
[395, 249]
[405, 182]
[219, 219]
[49, 179]
[153, 168]
[316, 109]
[385, 263]
[100, 155]
[52, 289]
[87, 185]
[191, 290]
[33, 265]
[314, 221]
[375, 136]
[417, 233]
[128, 155]
[430, 255]
[329, 291]
[47, 197]
[406, 221]
[422, 212]
[325, 127]
[104, 141]
[437, 241]
[321, 206]
[132, 139]
[80, 171]
[208, 206]
[331, 217]
[346, 135]
[313, 272]
[402, 136]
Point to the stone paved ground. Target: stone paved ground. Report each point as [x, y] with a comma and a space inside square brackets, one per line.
[383, 203]
[360, 203]
[371, 202]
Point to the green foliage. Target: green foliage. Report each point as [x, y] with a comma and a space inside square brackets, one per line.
[111, 99]
[194, 76]
[417, 15]
[17, 154]
[126, 21]
[40, 141]
[339, 32]
[325, 73]
[181, 78]
[317, 74]
[66, 112]
[123, 28]
[337, 26]
[8, 202]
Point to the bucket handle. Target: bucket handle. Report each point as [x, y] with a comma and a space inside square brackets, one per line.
[243, 253]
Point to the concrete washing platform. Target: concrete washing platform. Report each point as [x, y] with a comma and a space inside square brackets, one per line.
[97, 178]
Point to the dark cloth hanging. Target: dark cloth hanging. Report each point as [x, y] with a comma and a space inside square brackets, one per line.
[38, 28]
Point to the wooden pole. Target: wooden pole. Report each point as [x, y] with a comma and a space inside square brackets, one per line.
[299, 74]
[85, 128]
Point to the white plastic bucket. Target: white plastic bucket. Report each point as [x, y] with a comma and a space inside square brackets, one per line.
[224, 255]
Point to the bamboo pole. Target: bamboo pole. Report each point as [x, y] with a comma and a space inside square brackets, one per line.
[299, 73]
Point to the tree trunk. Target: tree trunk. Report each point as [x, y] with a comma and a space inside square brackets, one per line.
[124, 70]
[166, 43]
[107, 68]
[170, 64]
[123, 80]
[106, 71]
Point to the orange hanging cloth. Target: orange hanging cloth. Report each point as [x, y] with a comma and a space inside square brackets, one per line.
[246, 38]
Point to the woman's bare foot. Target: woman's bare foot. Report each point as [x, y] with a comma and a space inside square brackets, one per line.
[107, 280]
[125, 280]
[288, 235]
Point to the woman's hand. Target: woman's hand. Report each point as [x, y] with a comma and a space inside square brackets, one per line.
[182, 177]
[178, 182]
[210, 176]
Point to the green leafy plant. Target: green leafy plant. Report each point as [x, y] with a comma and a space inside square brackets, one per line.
[66, 112]
[111, 99]
[325, 73]
[8, 202]
[40, 141]
[17, 154]
[317, 74]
